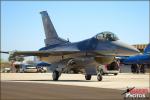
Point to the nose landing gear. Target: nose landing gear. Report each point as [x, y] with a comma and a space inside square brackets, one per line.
[99, 77]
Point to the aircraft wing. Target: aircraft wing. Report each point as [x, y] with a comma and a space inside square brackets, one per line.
[39, 53]
[48, 53]
[6, 52]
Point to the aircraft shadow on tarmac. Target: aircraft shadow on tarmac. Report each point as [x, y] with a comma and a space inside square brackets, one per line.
[63, 80]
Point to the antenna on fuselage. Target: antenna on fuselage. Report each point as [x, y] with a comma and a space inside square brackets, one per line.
[149, 37]
[68, 40]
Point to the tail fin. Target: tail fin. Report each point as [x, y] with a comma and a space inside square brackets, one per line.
[147, 49]
[50, 32]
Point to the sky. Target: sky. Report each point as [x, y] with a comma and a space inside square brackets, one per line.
[22, 28]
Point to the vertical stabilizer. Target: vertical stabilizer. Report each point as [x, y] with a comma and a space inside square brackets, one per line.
[147, 49]
[50, 32]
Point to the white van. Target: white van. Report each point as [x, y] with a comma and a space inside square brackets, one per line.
[28, 68]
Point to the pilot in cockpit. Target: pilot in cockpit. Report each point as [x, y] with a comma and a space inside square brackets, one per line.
[106, 36]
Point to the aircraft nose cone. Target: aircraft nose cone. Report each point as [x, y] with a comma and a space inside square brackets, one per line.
[133, 51]
[125, 49]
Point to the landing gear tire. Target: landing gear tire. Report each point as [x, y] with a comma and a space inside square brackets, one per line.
[99, 77]
[88, 77]
[55, 75]
[116, 74]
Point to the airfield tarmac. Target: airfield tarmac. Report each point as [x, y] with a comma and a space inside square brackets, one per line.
[69, 86]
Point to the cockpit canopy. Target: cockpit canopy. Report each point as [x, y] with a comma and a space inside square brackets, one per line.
[106, 36]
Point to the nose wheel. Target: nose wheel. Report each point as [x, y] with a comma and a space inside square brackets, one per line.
[99, 77]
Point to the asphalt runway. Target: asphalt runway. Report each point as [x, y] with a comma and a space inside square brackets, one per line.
[32, 91]
[39, 86]
[120, 82]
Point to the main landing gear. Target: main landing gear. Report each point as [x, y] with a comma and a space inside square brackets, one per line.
[55, 75]
[99, 77]
[88, 77]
